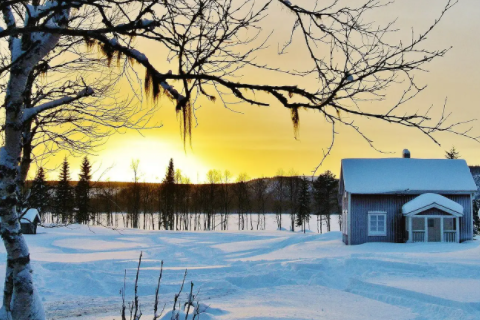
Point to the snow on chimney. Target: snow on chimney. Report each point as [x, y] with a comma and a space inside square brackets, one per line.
[406, 153]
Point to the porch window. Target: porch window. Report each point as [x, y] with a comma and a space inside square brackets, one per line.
[418, 224]
[377, 223]
[418, 229]
[449, 224]
[449, 229]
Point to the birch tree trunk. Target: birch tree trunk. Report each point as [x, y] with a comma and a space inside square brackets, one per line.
[20, 300]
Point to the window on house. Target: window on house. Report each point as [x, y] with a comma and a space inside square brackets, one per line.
[418, 224]
[449, 224]
[377, 223]
[431, 223]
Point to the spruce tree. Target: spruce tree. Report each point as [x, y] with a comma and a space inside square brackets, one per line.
[303, 215]
[452, 154]
[325, 189]
[293, 188]
[476, 218]
[39, 196]
[64, 198]
[82, 192]
[168, 197]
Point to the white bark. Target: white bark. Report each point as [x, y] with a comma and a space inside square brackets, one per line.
[21, 299]
[32, 112]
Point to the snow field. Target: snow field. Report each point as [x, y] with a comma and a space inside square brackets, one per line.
[254, 274]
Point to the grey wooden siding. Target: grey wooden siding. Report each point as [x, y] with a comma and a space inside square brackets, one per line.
[392, 204]
[466, 222]
[29, 228]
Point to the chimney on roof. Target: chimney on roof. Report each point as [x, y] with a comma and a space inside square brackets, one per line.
[406, 153]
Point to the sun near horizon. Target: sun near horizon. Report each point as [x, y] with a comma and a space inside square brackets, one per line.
[260, 140]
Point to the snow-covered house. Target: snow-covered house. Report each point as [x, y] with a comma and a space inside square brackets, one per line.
[406, 200]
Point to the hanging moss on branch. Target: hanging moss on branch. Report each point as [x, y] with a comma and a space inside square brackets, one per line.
[152, 85]
[295, 121]
[185, 112]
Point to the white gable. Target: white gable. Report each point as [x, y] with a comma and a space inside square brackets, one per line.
[30, 215]
[404, 175]
[429, 200]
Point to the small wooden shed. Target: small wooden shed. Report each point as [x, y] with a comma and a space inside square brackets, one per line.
[29, 221]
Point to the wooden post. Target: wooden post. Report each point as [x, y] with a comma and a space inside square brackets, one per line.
[410, 231]
[457, 229]
[441, 230]
[426, 230]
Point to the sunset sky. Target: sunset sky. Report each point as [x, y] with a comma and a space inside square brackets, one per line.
[260, 140]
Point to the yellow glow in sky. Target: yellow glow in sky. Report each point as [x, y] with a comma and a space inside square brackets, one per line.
[260, 140]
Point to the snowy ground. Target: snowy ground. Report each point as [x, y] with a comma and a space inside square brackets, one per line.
[255, 274]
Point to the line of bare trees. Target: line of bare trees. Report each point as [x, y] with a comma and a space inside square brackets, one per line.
[179, 204]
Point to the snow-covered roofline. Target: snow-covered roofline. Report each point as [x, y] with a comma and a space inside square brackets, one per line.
[30, 216]
[431, 200]
[406, 176]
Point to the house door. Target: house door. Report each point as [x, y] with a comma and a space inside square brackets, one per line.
[434, 232]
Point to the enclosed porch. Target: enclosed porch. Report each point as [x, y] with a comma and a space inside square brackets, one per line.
[432, 218]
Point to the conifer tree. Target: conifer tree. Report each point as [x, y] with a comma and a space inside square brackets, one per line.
[476, 218]
[64, 197]
[303, 215]
[82, 192]
[325, 189]
[452, 154]
[39, 196]
[168, 197]
[293, 188]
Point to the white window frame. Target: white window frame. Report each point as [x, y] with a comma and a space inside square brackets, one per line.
[377, 233]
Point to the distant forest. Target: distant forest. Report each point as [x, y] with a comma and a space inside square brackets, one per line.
[176, 201]
[178, 204]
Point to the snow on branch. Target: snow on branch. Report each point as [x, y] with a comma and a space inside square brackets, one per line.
[51, 28]
[32, 112]
[369, 65]
[154, 78]
[8, 17]
[9, 20]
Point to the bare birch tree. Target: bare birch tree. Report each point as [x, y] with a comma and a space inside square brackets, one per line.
[259, 188]
[213, 179]
[226, 198]
[279, 196]
[243, 200]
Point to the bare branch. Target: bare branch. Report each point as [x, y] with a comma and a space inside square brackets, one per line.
[32, 112]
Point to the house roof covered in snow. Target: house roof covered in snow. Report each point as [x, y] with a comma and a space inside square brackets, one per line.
[406, 176]
[431, 200]
[30, 216]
